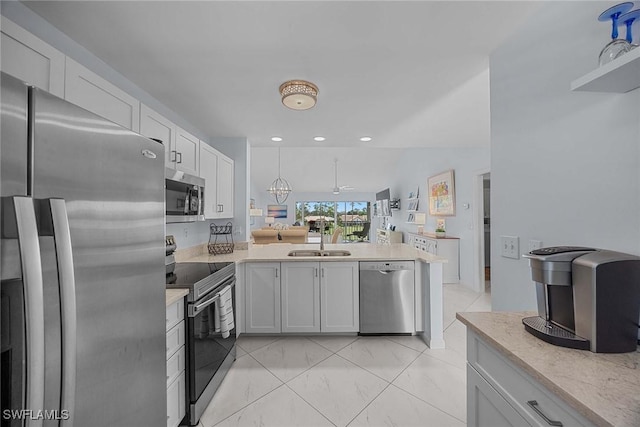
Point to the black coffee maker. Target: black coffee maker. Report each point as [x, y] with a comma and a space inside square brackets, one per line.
[587, 298]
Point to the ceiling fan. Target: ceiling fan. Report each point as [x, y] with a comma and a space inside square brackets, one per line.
[336, 188]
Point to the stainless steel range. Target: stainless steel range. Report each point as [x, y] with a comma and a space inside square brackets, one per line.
[210, 329]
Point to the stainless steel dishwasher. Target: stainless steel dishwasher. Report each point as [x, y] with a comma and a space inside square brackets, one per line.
[387, 297]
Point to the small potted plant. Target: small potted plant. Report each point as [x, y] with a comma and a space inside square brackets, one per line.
[440, 232]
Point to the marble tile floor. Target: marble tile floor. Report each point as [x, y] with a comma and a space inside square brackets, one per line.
[349, 380]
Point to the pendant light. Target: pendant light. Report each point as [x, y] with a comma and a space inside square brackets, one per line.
[280, 188]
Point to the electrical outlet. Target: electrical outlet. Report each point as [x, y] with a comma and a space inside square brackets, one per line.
[510, 247]
[534, 244]
[186, 233]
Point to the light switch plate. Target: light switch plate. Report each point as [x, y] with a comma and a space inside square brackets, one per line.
[510, 247]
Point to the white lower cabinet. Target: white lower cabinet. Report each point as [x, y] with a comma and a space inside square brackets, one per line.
[262, 298]
[339, 297]
[305, 297]
[486, 407]
[501, 394]
[446, 247]
[300, 296]
[176, 403]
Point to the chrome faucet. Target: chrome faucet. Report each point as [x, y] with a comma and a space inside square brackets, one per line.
[322, 233]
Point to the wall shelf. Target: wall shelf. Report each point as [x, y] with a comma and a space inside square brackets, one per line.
[618, 76]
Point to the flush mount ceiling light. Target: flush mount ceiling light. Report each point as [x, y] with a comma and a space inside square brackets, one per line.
[319, 138]
[366, 139]
[280, 188]
[276, 138]
[299, 94]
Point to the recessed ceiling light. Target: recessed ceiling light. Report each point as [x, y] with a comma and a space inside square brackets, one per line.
[276, 139]
[366, 139]
[319, 138]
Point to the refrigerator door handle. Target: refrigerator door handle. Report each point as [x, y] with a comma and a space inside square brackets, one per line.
[31, 264]
[66, 278]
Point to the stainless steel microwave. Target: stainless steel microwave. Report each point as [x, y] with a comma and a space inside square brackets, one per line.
[184, 197]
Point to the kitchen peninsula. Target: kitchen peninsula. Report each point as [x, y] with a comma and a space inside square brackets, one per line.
[428, 296]
[515, 376]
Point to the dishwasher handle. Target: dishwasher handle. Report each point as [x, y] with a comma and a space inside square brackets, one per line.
[387, 267]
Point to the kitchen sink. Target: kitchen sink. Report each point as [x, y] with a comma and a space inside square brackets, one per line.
[311, 252]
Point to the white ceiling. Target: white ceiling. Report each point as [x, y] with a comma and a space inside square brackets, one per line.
[409, 74]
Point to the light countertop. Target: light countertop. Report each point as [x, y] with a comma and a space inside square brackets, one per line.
[278, 252]
[174, 295]
[604, 388]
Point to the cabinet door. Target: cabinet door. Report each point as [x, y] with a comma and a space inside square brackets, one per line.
[154, 125]
[262, 303]
[431, 246]
[339, 292]
[176, 402]
[30, 59]
[209, 171]
[91, 92]
[187, 152]
[300, 297]
[225, 187]
[486, 407]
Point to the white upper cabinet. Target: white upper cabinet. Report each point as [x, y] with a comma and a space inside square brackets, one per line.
[186, 154]
[225, 187]
[91, 92]
[217, 171]
[209, 172]
[154, 125]
[30, 59]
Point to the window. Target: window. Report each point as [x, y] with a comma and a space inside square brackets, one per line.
[350, 215]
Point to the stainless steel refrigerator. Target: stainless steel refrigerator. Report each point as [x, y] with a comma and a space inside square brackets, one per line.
[83, 294]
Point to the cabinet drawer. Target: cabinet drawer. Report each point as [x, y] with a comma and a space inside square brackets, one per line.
[175, 339]
[486, 407]
[530, 398]
[175, 313]
[175, 365]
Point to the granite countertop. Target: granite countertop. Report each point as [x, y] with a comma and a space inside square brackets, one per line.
[604, 388]
[174, 295]
[279, 251]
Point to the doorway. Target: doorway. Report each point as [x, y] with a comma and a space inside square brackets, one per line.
[482, 227]
[486, 229]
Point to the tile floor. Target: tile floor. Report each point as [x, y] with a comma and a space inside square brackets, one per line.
[349, 380]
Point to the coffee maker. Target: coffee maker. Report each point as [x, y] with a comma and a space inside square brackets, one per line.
[588, 298]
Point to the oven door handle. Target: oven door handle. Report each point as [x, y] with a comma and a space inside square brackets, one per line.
[195, 309]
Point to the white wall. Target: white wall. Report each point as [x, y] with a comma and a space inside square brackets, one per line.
[413, 169]
[564, 165]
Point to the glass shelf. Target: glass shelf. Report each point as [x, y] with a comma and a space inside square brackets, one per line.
[618, 76]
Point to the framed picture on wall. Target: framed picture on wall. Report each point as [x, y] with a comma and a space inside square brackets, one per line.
[442, 195]
[277, 211]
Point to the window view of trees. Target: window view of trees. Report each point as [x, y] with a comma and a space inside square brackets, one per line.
[351, 216]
